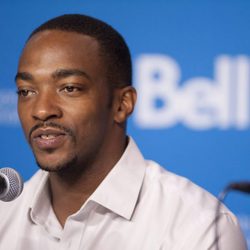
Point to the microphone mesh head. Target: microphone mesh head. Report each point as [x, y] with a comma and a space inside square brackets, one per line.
[15, 184]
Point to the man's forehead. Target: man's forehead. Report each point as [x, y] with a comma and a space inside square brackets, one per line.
[61, 53]
[54, 36]
[57, 43]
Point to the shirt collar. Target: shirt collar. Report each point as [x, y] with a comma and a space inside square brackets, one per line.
[41, 211]
[40, 204]
[119, 191]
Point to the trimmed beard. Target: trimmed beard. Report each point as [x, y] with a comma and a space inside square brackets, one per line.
[66, 167]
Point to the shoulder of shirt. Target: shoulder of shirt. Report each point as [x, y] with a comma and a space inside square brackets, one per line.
[191, 211]
[181, 193]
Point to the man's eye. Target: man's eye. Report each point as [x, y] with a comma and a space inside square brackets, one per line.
[24, 92]
[70, 89]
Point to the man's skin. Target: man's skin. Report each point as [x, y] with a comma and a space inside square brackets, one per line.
[74, 124]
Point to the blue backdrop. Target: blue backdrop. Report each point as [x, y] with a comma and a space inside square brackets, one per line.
[191, 69]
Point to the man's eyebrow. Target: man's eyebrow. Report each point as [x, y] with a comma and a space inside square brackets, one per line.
[63, 73]
[23, 76]
[58, 74]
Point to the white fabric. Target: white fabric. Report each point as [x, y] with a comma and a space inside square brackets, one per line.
[138, 206]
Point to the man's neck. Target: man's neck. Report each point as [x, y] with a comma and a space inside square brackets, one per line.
[68, 197]
[70, 190]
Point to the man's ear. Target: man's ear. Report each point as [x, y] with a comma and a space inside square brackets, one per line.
[124, 103]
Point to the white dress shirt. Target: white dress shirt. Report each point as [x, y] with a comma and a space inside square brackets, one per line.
[138, 206]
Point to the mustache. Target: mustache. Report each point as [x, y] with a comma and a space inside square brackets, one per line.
[52, 125]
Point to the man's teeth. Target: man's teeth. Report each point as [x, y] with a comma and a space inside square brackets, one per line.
[47, 137]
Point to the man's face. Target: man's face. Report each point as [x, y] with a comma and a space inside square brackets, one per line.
[64, 99]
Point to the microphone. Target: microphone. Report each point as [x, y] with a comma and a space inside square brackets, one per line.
[11, 184]
[243, 186]
[240, 186]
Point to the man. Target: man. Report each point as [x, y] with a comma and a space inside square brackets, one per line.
[95, 191]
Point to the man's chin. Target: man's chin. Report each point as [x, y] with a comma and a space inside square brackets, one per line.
[59, 166]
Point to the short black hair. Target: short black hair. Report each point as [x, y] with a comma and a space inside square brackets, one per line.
[113, 47]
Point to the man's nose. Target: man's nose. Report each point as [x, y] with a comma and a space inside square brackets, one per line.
[46, 106]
